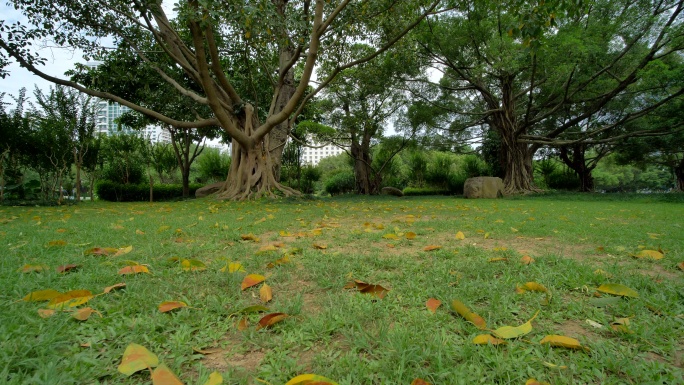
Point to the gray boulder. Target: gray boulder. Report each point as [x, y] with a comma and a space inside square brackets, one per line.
[483, 187]
[392, 191]
[208, 189]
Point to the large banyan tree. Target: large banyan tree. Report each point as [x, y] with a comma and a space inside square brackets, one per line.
[195, 48]
[591, 71]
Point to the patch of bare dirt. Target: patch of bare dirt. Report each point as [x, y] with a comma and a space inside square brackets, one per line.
[233, 356]
[576, 329]
[658, 272]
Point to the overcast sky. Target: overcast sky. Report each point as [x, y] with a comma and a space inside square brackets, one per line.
[58, 62]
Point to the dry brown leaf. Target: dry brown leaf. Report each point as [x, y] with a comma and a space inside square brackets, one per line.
[432, 304]
[114, 287]
[320, 246]
[431, 248]
[46, 313]
[420, 381]
[270, 319]
[526, 260]
[167, 306]
[67, 268]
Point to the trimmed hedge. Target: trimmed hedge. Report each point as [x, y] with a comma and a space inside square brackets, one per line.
[117, 192]
[417, 191]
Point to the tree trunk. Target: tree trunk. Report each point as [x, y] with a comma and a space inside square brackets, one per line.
[252, 173]
[151, 186]
[367, 182]
[679, 175]
[185, 175]
[578, 163]
[519, 172]
[78, 161]
[516, 157]
[280, 133]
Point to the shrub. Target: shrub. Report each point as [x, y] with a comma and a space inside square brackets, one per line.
[340, 183]
[455, 183]
[213, 165]
[416, 191]
[473, 166]
[439, 170]
[310, 175]
[118, 192]
[563, 180]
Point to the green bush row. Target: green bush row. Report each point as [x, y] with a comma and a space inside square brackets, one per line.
[415, 191]
[117, 192]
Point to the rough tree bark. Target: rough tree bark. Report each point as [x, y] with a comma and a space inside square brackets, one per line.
[516, 157]
[679, 175]
[576, 160]
[251, 169]
[367, 180]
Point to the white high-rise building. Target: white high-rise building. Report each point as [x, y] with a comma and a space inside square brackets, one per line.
[314, 155]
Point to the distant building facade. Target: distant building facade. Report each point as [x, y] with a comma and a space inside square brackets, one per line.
[312, 156]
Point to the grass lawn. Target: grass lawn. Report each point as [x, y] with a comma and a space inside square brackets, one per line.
[343, 334]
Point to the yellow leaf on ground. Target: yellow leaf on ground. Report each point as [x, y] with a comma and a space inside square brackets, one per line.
[252, 280]
[621, 325]
[167, 306]
[463, 310]
[41, 295]
[534, 286]
[617, 289]
[249, 237]
[267, 248]
[432, 304]
[57, 243]
[134, 270]
[281, 261]
[70, 299]
[193, 265]
[215, 378]
[242, 324]
[562, 341]
[487, 339]
[139, 232]
[390, 236]
[270, 319]
[33, 268]
[410, 235]
[233, 267]
[320, 246]
[123, 250]
[532, 381]
[162, 375]
[431, 248]
[460, 236]
[508, 332]
[649, 254]
[135, 358]
[304, 379]
[265, 293]
[497, 259]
